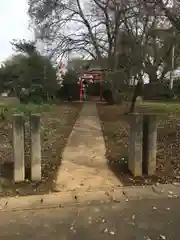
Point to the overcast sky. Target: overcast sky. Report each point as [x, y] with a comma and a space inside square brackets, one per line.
[13, 25]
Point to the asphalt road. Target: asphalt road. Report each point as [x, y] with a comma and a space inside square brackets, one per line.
[136, 220]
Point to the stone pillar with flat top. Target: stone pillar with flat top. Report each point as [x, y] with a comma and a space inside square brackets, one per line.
[35, 127]
[18, 147]
[149, 144]
[135, 144]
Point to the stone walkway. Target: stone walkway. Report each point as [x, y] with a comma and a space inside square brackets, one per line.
[84, 165]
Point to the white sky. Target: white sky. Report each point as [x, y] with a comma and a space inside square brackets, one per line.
[13, 25]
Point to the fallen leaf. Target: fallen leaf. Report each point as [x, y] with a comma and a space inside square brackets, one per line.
[170, 196]
[112, 233]
[162, 237]
[176, 184]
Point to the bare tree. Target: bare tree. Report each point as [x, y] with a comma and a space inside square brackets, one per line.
[150, 44]
[98, 28]
[171, 12]
[89, 27]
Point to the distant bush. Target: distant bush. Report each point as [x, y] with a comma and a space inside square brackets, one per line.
[69, 91]
[157, 92]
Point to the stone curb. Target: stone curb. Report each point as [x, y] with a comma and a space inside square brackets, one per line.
[55, 200]
[62, 199]
[152, 191]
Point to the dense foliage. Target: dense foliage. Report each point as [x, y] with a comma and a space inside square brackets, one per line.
[28, 75]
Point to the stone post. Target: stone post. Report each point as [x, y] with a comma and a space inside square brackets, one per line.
[18, 147]
[149, 144]
[135, 145]
[35, 147]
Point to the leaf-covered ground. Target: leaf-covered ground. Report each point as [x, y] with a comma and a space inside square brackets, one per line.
[56, 125]
[115, 126]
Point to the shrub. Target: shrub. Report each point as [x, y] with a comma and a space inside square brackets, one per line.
[69, 91]
[157, 92]
[108, 96]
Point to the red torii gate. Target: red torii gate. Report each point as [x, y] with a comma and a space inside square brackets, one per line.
[96, 75]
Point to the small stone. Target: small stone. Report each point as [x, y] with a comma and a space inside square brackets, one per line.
[168, 209]
[133, 217]
[170, 192]
[154, 208]
[105, 230]
[127, 199]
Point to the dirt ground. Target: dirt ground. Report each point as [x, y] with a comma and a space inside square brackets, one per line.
[56, 126]
[115, 126]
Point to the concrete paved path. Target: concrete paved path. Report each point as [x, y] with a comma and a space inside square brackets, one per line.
[84, 165]
[133, 220]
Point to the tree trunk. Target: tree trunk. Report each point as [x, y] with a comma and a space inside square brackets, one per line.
[138, 91]
[152, 76]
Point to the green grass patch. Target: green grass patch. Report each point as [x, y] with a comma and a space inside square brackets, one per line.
[26, 109]
[159, 107]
